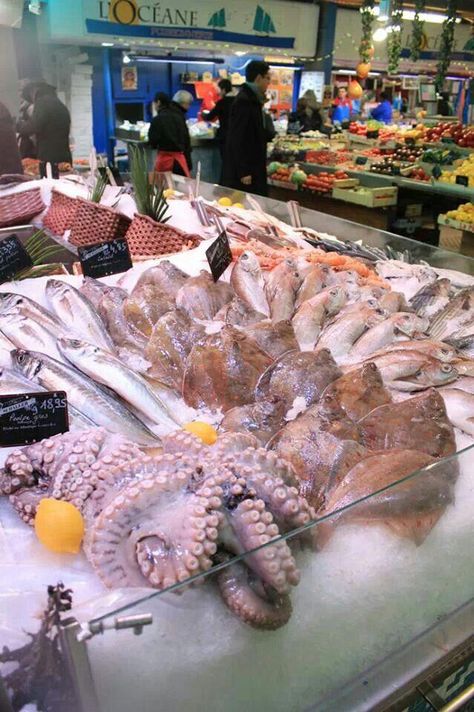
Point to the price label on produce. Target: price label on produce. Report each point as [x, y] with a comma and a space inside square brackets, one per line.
[361, 160]
[105, 258]
[13, 258]
[462, 180]
[219, 256]
[30, 417]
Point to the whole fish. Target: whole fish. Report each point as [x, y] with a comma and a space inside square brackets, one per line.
[83, 393]
[385, 333]
[77, 313]
[435, 349]
[313, 283]
[248, 283]
[400, 364]
[94, 290]
[340, 335]
[457, 279]
[25, 333]
[463, 344]
[12, 383]
[29, 308]
[465, 366]
[165, 275]
[460, 408]
[405, 278]
[309, 318]
[105, 368]
[464, 383]
[201, 298]
[458, 312]
[431, 373]
[281, 288]
[429, 300]
[393, 302]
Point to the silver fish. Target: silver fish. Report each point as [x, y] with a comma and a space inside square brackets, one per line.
[458, 312]
[248, 283]
[281, 287]
[313, 283]
[25, 333]
[12, 383]
[309, 318]
[29, 308]
[460, 408]
[105, 368]
[84, 394]
[77, 313]
[383, 334]
[340, 335]
[463, 344]
[431, 298]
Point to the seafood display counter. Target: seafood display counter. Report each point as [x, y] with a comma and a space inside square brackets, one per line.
[312, 550]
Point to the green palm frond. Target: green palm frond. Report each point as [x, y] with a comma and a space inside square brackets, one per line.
[97, 191]
[41, 251]
[149, 198]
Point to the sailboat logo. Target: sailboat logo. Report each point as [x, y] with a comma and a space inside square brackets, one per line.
[263, 21]
[217, 19]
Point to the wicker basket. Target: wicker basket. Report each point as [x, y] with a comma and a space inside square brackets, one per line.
[96, 223]
[61, 213]
[147, 238]
[20, 208]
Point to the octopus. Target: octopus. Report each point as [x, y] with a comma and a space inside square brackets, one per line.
[61, 467]
[156, 521]
[223, 370]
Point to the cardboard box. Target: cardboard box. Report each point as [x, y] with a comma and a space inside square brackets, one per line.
[371, 198]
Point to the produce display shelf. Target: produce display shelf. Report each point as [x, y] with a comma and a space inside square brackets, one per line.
[456, 224]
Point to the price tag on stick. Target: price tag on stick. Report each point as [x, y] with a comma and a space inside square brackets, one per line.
[30, 417]
[13, 258]
[462, 180]
[219, 256]
[105, 258]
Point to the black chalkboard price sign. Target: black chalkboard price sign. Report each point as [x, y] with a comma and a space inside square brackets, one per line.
[105, 258]
[462, 180]
[29, 417]
[219, 256]
[13, 258]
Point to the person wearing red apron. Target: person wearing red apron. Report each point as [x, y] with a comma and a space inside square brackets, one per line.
[169, 134]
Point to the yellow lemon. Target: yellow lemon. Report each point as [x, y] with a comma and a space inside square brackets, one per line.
[168, 192]
[202, 430]
[225, 202]
[238, 205]
[59, 526]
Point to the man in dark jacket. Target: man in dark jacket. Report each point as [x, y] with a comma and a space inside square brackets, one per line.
[50, 123]
[10, 161]
[222, 111]
[245, 164]
[169, 133]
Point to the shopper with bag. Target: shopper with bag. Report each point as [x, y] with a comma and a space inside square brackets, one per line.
[169, 134]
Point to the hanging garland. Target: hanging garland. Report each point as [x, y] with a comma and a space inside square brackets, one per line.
[366, 50]
[394, 40]
[446, 44]
[417, 31]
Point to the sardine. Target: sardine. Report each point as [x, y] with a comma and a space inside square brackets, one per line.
[77, 313]
[12, 383]
[309, 318]
[429, 300]
[248, 283]
[108, 370]
[29, 308]
[460, 408]
[458, 311]
[85, 395]
[385, 333]
[25, 333]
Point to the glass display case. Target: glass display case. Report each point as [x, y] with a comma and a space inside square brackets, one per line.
[373, 610]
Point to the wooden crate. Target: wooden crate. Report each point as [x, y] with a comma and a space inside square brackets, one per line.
[372, 198]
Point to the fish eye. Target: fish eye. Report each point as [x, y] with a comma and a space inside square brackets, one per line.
[446, 368]
[21, 358]
[75, 343]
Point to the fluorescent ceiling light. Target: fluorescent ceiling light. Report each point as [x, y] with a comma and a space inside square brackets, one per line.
[107, 44]
[172, 60]
[380, 34]
[434, 17]
[240, 53]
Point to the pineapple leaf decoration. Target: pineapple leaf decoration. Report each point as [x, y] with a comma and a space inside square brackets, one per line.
[148, 196]
[97, 190]
[41, 251]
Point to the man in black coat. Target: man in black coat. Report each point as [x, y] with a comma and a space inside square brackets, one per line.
[50, 123]
[222, 112]
[245, 163]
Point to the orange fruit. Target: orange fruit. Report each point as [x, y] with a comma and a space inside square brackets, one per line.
[59, 526]
[202, 430]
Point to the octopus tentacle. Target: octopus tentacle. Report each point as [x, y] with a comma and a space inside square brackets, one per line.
[255, 605]
[18, 473]
[182, 442]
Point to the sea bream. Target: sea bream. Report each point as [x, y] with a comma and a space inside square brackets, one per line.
[96, 403]
[311, 315]
[77, 313]
[105, 368]
[349, 325]
[389, 330]
[248, 283]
